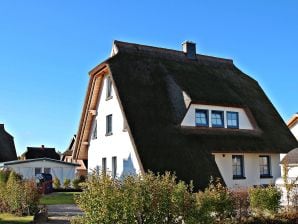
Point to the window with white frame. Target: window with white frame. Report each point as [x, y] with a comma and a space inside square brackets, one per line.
[232, 119]
[217, 119]
[202, 118]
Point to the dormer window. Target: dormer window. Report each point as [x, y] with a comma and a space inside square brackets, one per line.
[109, 88]
[217, 119]
[202, 118]
[232, 119]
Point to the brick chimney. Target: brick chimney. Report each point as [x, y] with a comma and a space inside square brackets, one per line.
[189, 48]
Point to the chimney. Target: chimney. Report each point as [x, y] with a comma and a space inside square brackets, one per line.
[189, 48]
[42, 147]
[1, 126]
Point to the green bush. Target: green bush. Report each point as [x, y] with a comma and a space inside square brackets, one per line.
[66, 183]
[19, 197]
[56, 183]
[77, 182]
[215, 203]
[147, 199]
[264, 200]
[4, 174]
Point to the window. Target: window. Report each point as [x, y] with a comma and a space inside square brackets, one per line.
[37, 170]
[264, 166]
[109, 88]
[232, 119]
[47, 170]
[114, 167]
[202, 118]
[217, 119]
[238, 167]
[94, 133]
[109, 124]
[104, 165]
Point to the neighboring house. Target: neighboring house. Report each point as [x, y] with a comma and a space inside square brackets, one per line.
[81, 170]
[150, 108]
[291, 161]
[40, 152]
[7, 147]
[30, 167]
[293, 125]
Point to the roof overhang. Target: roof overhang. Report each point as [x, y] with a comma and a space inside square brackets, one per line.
[89, 111]
[293, 121]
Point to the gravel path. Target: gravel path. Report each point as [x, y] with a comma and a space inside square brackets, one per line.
[62, 213]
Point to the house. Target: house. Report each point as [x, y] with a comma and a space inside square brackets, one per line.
[30, 167]
[81, 170]
[290, 161]
[7, 147]
[40, 152]
[150, 108]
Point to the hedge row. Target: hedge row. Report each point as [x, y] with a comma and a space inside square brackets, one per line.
[152, 199]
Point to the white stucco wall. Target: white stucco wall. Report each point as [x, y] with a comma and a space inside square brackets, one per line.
[251, 169]
[59, 170]
[118, 144]
[294, 130]
[189, 119]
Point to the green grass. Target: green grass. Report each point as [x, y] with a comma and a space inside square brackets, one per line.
[8, 218]
[57, 198]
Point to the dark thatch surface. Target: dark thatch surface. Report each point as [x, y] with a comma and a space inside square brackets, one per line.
[41, 152]
[150, 82]
[291, 157]
[7, 147]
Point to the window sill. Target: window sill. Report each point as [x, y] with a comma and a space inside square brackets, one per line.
[108, 98]
[239, 178]
[108, 134]
[266, 176]
[233, 127]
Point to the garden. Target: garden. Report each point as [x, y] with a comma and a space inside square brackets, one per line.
[152, 199]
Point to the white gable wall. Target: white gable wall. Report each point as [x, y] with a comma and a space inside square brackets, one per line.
[189, 119]
[59, 170]
[294, 130]
[251, 169]
[118, 144]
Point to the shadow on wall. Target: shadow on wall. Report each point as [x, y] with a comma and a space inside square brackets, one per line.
[128, 168]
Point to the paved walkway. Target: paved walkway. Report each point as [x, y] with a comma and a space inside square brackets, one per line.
[62, 213]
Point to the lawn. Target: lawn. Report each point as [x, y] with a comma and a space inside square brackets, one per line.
[8, 218]
[57, 198]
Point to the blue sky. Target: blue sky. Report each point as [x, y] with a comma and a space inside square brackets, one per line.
[47, 49]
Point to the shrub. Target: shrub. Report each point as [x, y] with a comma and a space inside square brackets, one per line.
[56, 183]
[19, 197]
[66, 183]
[77, 181]
[215, 203]
[264, 201]
[150, 199]
[4, 174]
[241, 203]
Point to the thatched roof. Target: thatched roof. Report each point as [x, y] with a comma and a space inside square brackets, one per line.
[150, 81]
[7, 147]
[291, 158]
[41, 152]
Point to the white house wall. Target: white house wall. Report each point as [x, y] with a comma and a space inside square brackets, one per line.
[118, 144]
[251, 169]
[59, 170]
[189, 119]
[294, 130]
